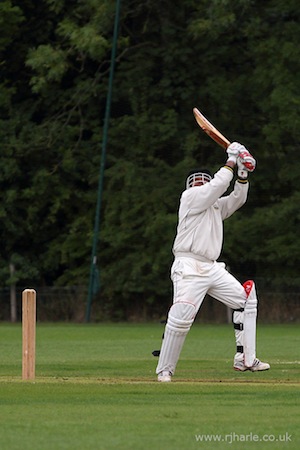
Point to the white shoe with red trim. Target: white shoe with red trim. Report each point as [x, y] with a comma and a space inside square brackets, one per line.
[256, 367]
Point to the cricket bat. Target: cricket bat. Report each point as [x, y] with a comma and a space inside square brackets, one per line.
[210, 129]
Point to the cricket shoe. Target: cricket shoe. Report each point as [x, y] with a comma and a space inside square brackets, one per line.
[165, 376]
[256, 367]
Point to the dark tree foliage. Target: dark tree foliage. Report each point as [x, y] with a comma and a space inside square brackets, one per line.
[238, 61]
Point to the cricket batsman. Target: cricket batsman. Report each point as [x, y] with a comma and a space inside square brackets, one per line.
[196, 272]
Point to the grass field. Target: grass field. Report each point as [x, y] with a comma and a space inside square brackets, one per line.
[96, 388]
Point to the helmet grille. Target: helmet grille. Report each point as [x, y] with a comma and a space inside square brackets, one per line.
[197, 178]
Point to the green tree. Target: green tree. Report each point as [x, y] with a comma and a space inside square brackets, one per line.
[172, 56]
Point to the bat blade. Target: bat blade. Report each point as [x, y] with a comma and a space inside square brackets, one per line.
[210, 129]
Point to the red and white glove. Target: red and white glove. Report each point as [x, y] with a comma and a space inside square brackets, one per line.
[234, 150]
[246, 163]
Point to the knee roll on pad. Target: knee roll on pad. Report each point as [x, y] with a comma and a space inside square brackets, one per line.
[181, 316]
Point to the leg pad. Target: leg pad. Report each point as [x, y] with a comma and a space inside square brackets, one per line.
[180, 319]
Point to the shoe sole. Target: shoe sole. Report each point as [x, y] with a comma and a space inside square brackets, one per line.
[251, 370]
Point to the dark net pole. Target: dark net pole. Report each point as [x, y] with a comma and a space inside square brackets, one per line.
[94, 280]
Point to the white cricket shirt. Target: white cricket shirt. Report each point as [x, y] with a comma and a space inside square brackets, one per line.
[201, 213]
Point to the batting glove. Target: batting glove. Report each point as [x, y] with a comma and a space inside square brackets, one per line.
[246, 163]
[234, 150]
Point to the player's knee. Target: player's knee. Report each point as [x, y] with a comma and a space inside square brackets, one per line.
[251, 301]
[250, 290]
[181, 316]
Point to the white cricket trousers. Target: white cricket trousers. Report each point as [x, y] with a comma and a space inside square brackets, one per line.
[192, 280]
